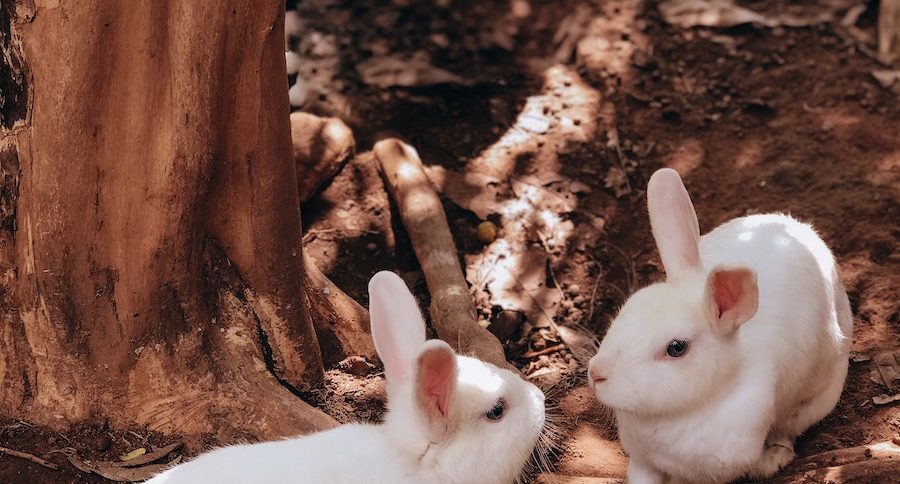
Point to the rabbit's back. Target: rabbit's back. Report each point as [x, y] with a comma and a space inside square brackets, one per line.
[801, 331]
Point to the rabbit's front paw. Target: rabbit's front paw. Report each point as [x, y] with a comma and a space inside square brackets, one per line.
[775, 456]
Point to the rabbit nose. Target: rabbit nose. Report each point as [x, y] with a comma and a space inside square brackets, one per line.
[597, 377]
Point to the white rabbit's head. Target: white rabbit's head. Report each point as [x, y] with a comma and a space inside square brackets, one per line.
[672, 345]
[461, 418]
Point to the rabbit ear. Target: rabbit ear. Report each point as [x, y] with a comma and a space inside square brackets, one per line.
[398, 329]
[732, 296]
[435, 383]
[674, 223]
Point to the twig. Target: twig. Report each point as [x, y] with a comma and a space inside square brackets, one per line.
[550, 265]
[545, 351]
[30, 457]
[620, 155]
[317, 233]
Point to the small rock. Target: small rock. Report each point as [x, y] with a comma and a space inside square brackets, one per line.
[534, 122]
[486, 232]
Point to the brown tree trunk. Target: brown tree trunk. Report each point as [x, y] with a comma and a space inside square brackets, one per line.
[152, 271]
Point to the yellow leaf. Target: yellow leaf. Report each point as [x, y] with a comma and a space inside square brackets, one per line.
[134, 453]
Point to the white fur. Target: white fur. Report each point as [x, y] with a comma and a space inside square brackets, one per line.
[293, 25]
[292, 62]
[735, 402]
[405, 448]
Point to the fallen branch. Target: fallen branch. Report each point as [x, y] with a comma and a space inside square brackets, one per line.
[452, 308]
[867, 462]
[30, 457]
[342, 325]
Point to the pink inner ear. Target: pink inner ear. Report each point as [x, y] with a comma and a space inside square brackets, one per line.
[435, 381]
[733, 296]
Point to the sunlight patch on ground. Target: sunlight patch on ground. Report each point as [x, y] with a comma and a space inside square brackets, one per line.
[687, 157]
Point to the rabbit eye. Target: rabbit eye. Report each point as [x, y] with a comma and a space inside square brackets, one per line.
[496, 412]
[677, 348]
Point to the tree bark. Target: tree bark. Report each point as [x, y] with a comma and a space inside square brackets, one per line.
[153, 270]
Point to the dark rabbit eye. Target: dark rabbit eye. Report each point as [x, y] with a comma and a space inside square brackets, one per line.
[496, 412]
[677, 348]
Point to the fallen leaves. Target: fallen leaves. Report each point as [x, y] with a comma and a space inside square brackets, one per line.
[515, 279]
[886, 372]
[727, 13]
[400, 70]
[137, 465]
[888, 79]
[617, 181]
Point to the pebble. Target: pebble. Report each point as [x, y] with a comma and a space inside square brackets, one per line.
[534, 123]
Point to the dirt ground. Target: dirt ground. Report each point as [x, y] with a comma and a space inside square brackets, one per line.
[599, 93]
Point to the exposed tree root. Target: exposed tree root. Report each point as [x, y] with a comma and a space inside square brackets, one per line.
[322, 146]
[867, 463]
[452, 309]
[342, 325]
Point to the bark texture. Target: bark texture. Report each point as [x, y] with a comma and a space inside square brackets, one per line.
[156, 255]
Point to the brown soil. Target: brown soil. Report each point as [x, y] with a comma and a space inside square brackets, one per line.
[754, 119]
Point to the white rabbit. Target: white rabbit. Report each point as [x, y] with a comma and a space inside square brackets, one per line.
[451, 419]
[713, 373]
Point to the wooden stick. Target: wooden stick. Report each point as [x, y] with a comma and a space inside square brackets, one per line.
[842, 465]
[547, 350]
[452, 309]
[27, 456]
[889, 29]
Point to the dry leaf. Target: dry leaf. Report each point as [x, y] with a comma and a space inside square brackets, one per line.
[117, 471]
[727, 13]
[888, 79]
[133, 454]
[536, 123]
[541, 372]
[149, 456]
[537, 193]
[886, 370]
[515, 280]
[398, 71]
[885, 399]
[617, 180]
[473, 191]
